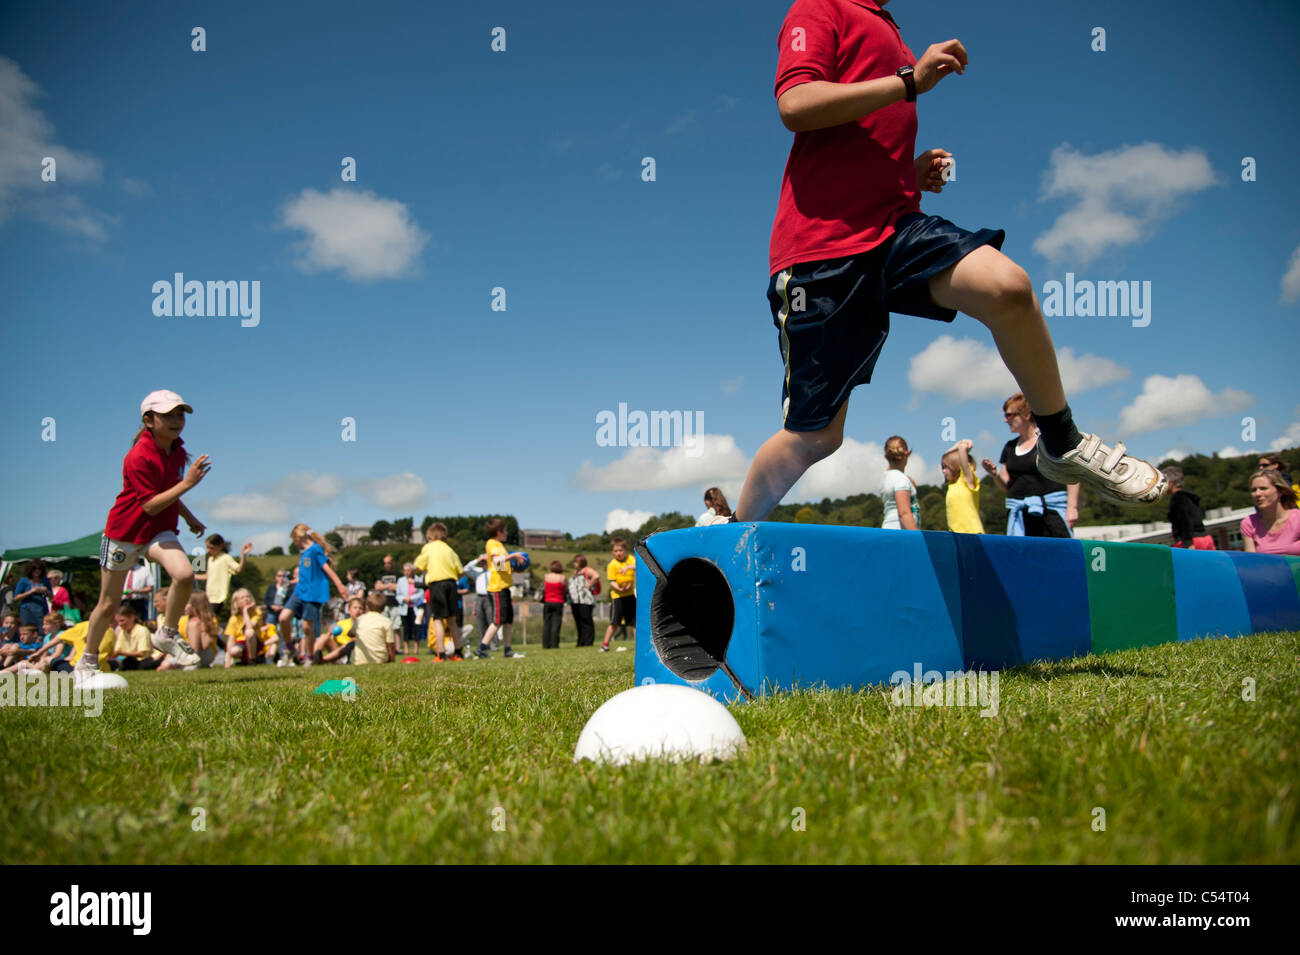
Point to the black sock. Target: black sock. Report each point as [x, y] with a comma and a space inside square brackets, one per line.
[1058, 431]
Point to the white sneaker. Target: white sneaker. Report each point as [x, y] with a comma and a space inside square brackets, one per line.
[1111, 473]
[170, 642]
[81, 673]
[280, 662]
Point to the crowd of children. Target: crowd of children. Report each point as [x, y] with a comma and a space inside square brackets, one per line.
[298, 624]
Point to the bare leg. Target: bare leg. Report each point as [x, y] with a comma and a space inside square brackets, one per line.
[110, 598]
[173, 559]
[779, 463]
[995, 291]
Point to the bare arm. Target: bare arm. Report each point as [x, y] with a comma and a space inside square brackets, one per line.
[820, 104]
[1072, 503]
[903, 499]
[998, 473]
[160, 502]
[343, 589]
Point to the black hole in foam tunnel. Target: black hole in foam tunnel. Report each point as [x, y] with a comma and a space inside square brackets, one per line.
[691, 617]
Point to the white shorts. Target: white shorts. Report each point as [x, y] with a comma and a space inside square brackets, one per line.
[120, 555]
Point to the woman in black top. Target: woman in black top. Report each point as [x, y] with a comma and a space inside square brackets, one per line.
[1036, 506]
[1185, 514]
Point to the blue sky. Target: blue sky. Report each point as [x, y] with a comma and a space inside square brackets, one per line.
[522, 170]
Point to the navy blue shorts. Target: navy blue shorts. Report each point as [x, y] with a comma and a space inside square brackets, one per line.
[304, 609]
[831, 345]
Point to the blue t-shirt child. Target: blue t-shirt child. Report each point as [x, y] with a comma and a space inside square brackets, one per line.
[313, 585]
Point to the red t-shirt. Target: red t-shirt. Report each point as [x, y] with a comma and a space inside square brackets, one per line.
[845, 186]
[146, 472]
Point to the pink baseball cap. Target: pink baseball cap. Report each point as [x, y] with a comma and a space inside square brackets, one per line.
[163, 402]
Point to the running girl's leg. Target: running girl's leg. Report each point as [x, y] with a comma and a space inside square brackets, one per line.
[172, 558]
[110, 598]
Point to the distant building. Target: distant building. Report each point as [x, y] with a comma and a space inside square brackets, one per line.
[351, 533]
[1222, 523]
[531, 537]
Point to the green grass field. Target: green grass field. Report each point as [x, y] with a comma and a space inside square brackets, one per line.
[472, 762]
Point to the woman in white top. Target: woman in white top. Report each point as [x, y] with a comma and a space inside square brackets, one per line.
[719, 511]
[902, 512]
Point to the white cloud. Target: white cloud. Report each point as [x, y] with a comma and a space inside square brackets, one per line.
[265, 540]
[1184, 399]
[964, 369]
[283, 501]
[1119, 196]
[1290, 438]
[1173, 454]
[26, 138]
[858, 467]
[715, 459]
[250, 508]
[681, 123]
[1291, 280]
[1232, 452]
[357, 232]
[395, 492]
[631, 520]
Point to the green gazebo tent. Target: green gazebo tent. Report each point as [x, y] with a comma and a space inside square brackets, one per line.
[83, 548]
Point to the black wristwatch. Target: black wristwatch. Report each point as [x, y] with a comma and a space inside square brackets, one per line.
[906, 73]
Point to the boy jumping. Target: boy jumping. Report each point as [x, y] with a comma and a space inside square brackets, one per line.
[850, 245]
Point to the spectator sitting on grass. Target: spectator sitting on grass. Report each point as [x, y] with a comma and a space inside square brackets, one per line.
[246, 637]
[52, 650]
[337, 643]
[134, 649]
[373, 633]
[21, 646]
[200, 627]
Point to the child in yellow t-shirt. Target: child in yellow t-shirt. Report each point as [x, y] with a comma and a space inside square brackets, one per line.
[963, 498]
[441, 567]
[501, 611]
[134, 647]
[248, 636]
[372, 632]
[621, 572]
[339, 643]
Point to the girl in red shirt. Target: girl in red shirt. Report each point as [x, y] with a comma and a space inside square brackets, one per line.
[143, 521]
[553, 592]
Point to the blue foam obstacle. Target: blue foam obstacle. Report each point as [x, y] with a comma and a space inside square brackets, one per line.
[742, 609]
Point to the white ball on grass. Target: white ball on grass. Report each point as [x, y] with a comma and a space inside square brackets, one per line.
[659, 721]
